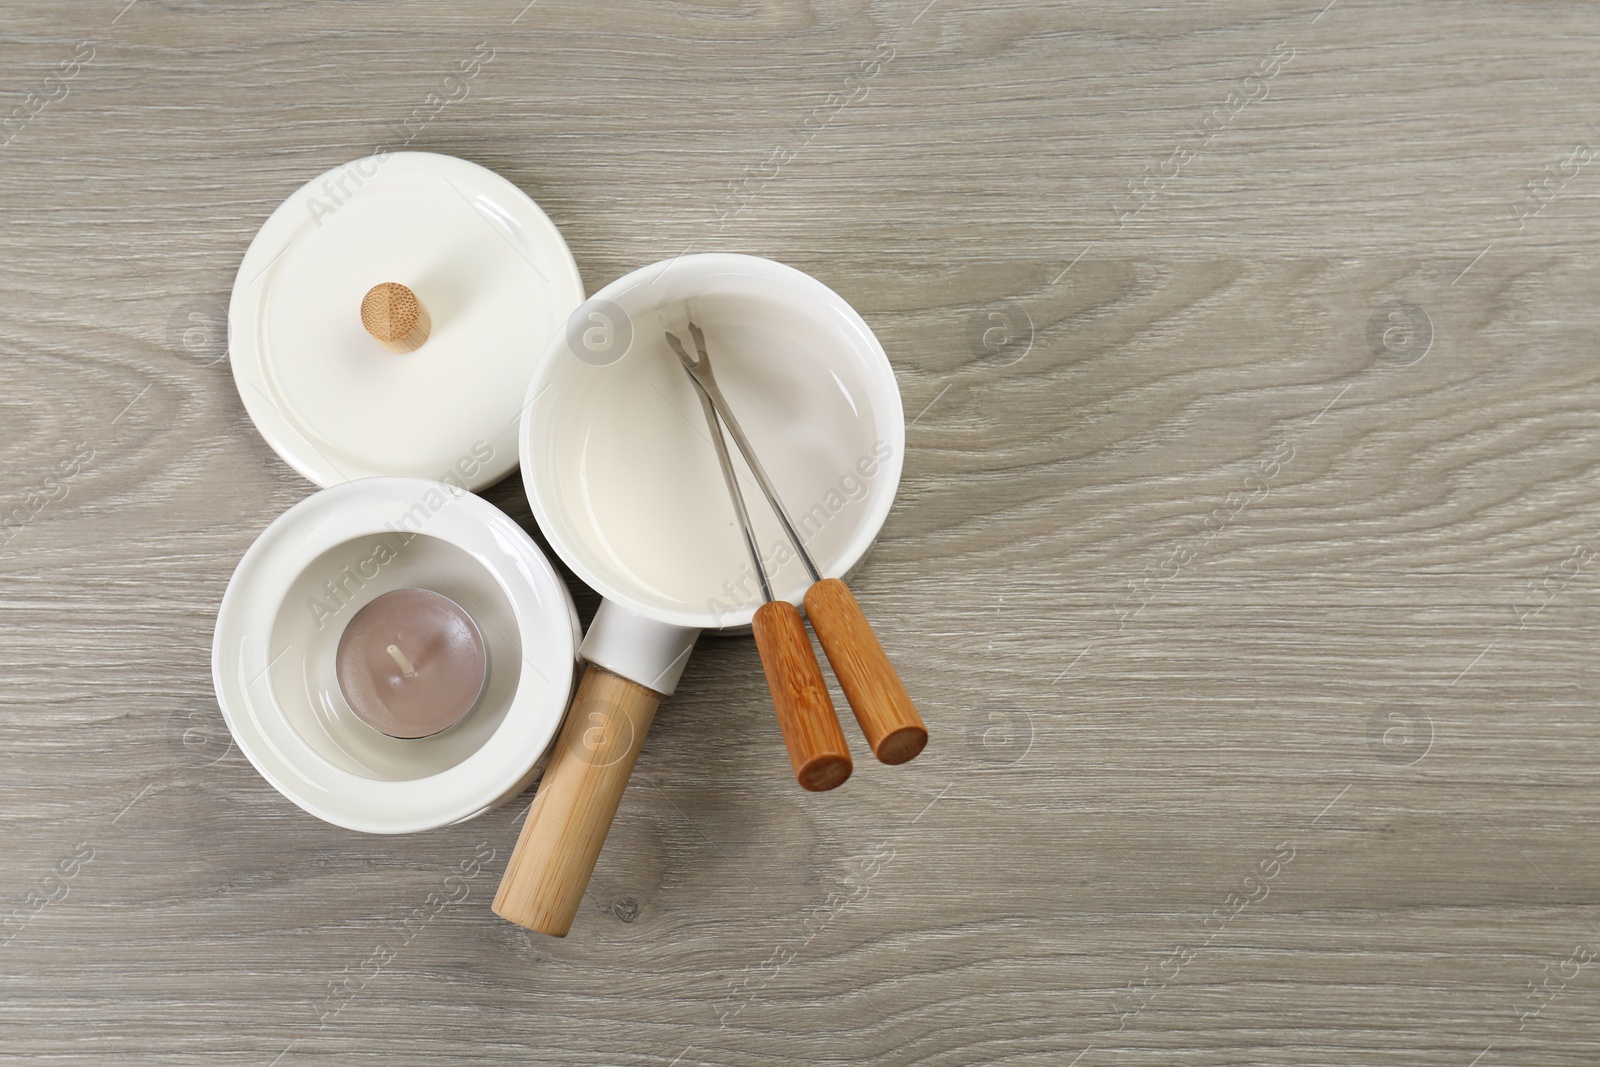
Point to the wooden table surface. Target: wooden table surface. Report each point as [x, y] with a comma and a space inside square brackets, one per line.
[1244, 564]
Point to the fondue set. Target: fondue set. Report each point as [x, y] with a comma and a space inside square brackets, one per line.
[395, 654]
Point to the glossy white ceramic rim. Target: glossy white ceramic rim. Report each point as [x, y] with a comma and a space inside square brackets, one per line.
[878, 375]
[240, 658]
[283, 431]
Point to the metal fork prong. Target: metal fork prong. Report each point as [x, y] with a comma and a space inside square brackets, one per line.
[706, 378]
[677, 346]
[729, 478]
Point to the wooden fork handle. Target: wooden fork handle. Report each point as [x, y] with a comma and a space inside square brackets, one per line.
[876, 694]
[810, 726]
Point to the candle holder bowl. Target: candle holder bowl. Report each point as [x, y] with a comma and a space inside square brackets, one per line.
[298, 586]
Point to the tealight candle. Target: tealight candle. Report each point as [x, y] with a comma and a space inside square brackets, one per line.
[411, 663]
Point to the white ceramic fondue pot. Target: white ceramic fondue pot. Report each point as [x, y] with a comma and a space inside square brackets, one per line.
[625, 484]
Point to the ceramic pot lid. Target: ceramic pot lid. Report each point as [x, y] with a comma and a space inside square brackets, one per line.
[488, 267]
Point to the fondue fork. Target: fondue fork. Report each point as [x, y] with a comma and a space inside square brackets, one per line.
[810, 726]
[876, 694]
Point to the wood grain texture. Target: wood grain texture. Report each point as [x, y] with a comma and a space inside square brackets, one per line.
[806, 716]
[391, 313]
[576, 801]
[1242, 564]
[882, 707]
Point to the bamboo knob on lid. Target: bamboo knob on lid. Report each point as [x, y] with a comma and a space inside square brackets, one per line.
[392, 313]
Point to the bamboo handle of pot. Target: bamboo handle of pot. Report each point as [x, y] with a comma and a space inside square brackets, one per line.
[583, 783]
[810, 726]
[876, 694]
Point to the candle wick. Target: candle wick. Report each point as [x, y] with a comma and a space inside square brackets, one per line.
[399, 657]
